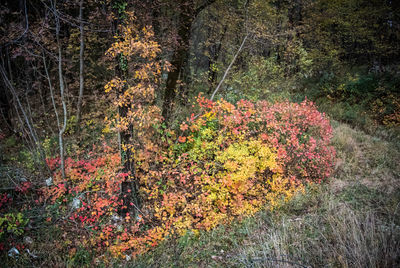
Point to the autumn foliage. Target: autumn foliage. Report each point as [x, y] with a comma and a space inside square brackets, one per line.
[226, 162]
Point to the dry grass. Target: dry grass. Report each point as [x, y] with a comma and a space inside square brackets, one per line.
[337, 237]
[366, 159]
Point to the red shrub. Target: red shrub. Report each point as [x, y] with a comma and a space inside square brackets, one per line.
[302, 136]
[299, 132]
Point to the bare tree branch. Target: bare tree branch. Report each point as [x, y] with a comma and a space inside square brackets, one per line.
[229, 67]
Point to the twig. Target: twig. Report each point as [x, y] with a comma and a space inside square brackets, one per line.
[229, 67]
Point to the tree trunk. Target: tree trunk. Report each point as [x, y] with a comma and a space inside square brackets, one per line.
[178, 60]
[187, 15]
[81, 81]
[130, 186]
[5, 105]
[32, 133]
[213, 59]
[53, 102]
[61, 81]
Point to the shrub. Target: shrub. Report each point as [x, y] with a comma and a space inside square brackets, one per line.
[13, 223]
[227, 162]
[302, 136]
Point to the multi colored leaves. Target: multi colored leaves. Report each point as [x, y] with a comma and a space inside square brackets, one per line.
[302, 136]
[227, 162]
[13, 223]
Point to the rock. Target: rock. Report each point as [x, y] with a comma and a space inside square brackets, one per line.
[28, 240]
[13, 252]
[49, 181]
[76, 203]
[31, 254]
[115, 218]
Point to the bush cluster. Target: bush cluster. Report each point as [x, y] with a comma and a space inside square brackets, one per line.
[226, 162]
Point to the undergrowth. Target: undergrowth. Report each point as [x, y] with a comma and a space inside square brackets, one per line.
[350, 221]
[353, 221]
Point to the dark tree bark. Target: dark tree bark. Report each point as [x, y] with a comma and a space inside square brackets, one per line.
[5, 99]
[130, 186]
[81, 81]
[214, 51]
[187, 14]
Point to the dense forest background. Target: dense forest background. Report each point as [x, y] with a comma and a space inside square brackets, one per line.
[112, 111]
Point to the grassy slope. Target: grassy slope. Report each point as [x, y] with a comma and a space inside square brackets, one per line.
[353, 221]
